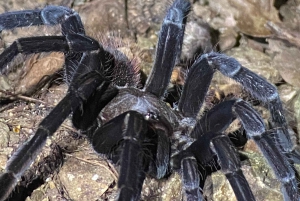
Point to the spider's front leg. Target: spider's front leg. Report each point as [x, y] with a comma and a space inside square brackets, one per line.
[121, 139]
[256, 131]
[216, 121]
[262, 90]
[69, 43]
[194, 93]
[132, 143]
[78, 93]
[168, 47]
[50, 15]
[219, 118]
[210, 143]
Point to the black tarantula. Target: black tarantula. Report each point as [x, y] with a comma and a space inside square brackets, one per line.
[134, 127]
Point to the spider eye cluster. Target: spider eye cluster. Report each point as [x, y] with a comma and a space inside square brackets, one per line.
[151, 116]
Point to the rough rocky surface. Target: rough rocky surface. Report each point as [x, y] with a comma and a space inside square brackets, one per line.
[68, 169]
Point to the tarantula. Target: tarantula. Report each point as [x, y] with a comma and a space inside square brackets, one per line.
[134, 127]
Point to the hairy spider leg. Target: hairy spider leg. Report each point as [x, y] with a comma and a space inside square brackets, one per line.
[209, 131]
[194, 93]
[50, 15]
[255, 130]
[186, 163]
[23, 157]
[131, 170]
[159, 167]
[263, 91]
[217, 120]
[230, 164]
[121, 140]
[168, 47]
[85, 117]
[209, 128]
[190, 178]
[130, 141]
[195, 88]
[71, 42]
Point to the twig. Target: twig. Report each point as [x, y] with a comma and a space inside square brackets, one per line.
[22, 97]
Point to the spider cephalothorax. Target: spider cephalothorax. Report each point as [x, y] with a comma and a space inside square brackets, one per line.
[134, 127]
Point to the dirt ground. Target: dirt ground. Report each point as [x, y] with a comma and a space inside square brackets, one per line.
[262, 35]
